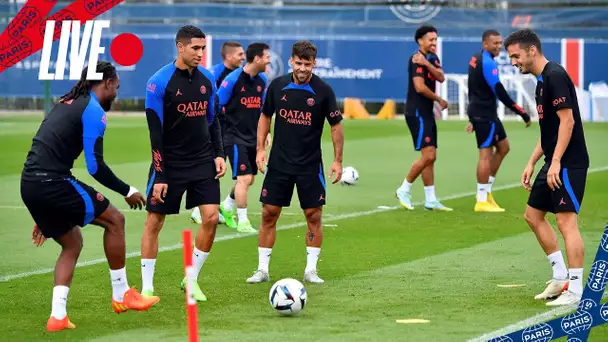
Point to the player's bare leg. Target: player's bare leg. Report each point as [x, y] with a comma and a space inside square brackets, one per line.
[202, 246]
[502, 149]
[149, 250]
[567, 222]
[428, 179]
[240, 193]
[266, 239]
[548, 241]
[314, 240]
[427, 157]
[483, 174]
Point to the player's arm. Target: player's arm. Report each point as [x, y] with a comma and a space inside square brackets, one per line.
[537, 153]
[268, 140]
[224, 93]
[526, 177]
[561, 101]
[334, 118]
[268, 108]
[93, 129]
[490, 74]
[434, 67]
[155, 117]
[423, 90]
[215, 128]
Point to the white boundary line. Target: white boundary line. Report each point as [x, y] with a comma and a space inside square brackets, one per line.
[289, 226]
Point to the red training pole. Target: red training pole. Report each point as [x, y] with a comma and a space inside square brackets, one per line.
[191, 311]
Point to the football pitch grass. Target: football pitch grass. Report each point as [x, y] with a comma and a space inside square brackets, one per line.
[380, 264]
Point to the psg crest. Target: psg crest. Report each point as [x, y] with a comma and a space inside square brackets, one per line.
[415, 13]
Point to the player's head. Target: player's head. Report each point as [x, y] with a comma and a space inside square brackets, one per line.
[232, 54]
[190, 41]
[492, 42]
[105, 89]
[426, 37]
[303, 59]
[258, 54]
[524, 49]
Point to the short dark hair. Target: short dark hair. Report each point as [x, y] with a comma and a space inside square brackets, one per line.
[525, 38]
[423, 30]
[489, 33]
[255, 49]
[304, 50]
[186, 33]
[229, 44]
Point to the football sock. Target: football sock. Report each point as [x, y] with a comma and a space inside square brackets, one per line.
[147, 274]
[264, 258]
[482, 192]
[559, 267]
[119, 283]
[60, 300]
[429, 193]
[312, 256]
[198, 260]
[576, 281]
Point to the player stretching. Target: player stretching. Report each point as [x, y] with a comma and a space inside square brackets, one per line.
[424, 69]
[484, 87]
[232, 58]
[187, 154]
[60, 204]
[242, 94]
[560, 185]
[302, 102]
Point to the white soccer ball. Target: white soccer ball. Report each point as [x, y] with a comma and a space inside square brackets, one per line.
[288, 296]
[350, 176]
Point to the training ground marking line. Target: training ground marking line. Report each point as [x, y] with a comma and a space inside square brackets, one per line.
[289, 226]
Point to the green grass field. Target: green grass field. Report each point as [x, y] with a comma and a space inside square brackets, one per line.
[380, 265]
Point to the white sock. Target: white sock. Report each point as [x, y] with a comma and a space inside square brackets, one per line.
[429, 193]
[490, 182]
[559, 267]
[264, 258]
[312, 256]
[60, 300]
[242, 214]
[482, 192]
[198, 260]
[576, 281]
[228, 203]
[406, 186]
[147, 274]
[119, 283]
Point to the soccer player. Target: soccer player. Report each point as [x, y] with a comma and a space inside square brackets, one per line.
[233, 56]
[60, 204]
[424, 70]
[560, 185]
[302, 102]
[242, 94]
[484, 87]
[187, 153]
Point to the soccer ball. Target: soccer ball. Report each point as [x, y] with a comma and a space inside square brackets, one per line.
[287, 296]
[350, 176]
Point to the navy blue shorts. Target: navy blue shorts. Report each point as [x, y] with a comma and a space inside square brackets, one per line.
[423, 129]
[489, 133]
[568, 198]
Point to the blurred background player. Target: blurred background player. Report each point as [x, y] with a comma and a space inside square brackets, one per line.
[424, 69]
[302, 102]
[60, 204]
[232, 58]
[484, 87]
[187, 153]
[242, 94]
[560, 185]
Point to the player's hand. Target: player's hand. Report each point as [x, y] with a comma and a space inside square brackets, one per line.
[220, 167]
[420, 59]
[260, 161]
[268, 142]
[470, 128]
[553, 175]
[136, 201]
[527, 120]
[159, 192]
[37, 237]
[336, 169]
[526, 177]
[443, 103]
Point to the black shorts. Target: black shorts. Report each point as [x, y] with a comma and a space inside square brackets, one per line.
[423, 129]
[197, 182]
[568, 198]
[278, 189]
[489, 133]
[242, 160]
[57, 206]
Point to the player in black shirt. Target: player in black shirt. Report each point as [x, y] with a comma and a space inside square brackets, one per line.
[242, 94]
[187, 153]
[302, 102]
[484, 87]
[560, 185]
[60, 204]
[424, 69]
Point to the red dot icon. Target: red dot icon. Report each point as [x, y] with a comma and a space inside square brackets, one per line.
[126, 49]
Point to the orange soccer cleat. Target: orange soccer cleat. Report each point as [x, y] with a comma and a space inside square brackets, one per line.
[55, 324]
[133, 300]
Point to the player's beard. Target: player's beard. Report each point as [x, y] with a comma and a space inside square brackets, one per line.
[302, 76]
[106, 106]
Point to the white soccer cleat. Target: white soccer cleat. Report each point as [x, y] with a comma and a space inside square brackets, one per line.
[405, 199]
[312, 277]
[566, 298]
[554, 289]
[195, 216]
[258, 276]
